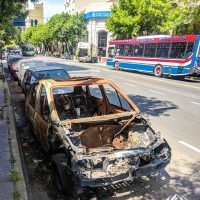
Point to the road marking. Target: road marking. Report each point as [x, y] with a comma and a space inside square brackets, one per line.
[195, 103]
[130, 84]
[147, 77]
[190, 146]
[156, 92]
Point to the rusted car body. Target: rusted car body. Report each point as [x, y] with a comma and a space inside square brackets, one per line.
[97, 130]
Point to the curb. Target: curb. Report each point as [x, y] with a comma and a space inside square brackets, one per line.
[19, 185]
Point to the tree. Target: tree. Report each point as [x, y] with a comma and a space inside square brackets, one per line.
[190, 22]
[144, 17]
[138, 17]
[67, 29]
[61, 30]
[26, 35]
[8, 10]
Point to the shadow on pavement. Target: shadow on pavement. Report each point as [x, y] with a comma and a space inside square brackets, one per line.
[152, 106]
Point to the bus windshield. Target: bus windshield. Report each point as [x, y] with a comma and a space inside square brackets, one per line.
[83, 52]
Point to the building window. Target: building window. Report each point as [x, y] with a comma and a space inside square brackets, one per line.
[102, 43]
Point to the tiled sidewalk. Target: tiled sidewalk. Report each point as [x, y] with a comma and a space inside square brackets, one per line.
[6, 186]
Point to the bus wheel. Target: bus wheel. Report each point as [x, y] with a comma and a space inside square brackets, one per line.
[158, 71]
[116, 65]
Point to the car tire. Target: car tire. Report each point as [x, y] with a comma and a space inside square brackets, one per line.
[116, 65]
[63, 180]
[158, 71]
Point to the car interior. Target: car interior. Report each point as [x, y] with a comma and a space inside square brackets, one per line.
[83, 101]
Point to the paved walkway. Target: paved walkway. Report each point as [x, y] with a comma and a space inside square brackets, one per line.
[6, 186]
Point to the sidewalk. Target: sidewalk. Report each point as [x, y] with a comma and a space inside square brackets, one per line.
[12, 184]
[6, 186]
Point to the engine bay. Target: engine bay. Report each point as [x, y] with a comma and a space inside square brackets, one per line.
[113, 135]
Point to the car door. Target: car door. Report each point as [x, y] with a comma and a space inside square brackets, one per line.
[41, 117]
[31, 102]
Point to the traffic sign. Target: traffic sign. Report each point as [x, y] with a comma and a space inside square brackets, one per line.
[19, 22]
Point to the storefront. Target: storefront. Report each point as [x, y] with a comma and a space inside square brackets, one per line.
[97, 34]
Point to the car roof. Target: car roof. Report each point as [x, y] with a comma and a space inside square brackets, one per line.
[45, 68]
[76, 81]
[25, 59]
[15, 56]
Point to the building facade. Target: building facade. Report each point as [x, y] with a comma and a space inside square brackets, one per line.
[96, 12]
[35, 15]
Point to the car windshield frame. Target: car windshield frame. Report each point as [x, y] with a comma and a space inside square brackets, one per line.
[133, 107]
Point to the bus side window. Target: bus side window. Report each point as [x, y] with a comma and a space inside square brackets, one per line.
[178, 49]
[162, 50]
[128, 48]
[150, 50]
[138, 50]
[121, 50]
[189, 50]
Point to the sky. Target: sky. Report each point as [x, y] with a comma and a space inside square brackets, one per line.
[51, 7]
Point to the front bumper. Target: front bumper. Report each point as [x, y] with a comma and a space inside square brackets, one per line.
[155, 166]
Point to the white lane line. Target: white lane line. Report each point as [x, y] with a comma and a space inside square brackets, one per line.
[156, 92]
[190, 146]
[195, 103]
[130, 84]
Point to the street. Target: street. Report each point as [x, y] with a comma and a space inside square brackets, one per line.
[171, 106]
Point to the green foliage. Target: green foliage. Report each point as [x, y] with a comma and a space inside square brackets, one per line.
[16, 195]
[144, 17]
[138, 17]
[14, 176]
[61, 28]
[190, 22]
[8, 10]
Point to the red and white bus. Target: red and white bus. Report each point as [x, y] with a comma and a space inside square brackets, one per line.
[160, 55]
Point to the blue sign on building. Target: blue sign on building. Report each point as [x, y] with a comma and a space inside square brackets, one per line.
[19, 22]
[100, 14]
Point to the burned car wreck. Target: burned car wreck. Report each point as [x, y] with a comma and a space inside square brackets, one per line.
[94, 132]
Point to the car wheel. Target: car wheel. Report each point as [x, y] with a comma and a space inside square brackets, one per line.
[63, 180]
[158, 71]
[116, 65]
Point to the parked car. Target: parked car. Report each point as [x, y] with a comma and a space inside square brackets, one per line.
[94, 132]
[33, 74]
[13, 59]
[3, 54]
[13, 51]
[23, 65]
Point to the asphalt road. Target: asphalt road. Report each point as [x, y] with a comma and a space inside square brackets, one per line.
[173, 108]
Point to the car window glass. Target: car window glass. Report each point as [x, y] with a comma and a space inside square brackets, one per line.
[52, 74]
[112, 95]
[44, 108]
[33, 95]
[95, 91]
[124, 103]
